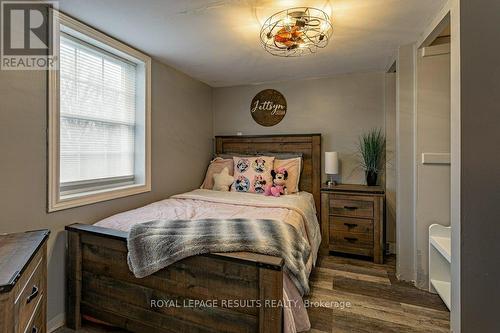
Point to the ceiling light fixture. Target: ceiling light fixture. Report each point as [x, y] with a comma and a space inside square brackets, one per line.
[296, 31]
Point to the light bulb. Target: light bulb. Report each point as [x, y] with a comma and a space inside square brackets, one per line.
[325, 26]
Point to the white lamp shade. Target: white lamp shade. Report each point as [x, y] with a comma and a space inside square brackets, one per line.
[331, 163]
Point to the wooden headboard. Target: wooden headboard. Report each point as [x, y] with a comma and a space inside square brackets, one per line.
[307, 144]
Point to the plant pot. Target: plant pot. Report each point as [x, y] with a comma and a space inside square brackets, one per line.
[371, 178]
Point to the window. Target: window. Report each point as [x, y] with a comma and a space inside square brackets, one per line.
[99, 140]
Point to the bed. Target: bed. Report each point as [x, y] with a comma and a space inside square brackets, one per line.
[100, 285]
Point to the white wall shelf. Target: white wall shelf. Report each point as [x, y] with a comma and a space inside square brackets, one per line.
[443, 288]
[443, 245]
[440, 262]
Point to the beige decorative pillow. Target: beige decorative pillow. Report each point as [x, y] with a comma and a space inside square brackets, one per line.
[293, 167]
[252, 173]
[216, 166]
[223, 180]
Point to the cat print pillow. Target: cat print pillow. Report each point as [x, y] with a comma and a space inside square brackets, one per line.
[252, 174]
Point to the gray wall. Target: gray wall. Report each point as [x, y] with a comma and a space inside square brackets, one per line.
[432, 131]
[422, 126]
[340, 108]
[405, 156]
[390, 167]
[181, 147]
[480, 165]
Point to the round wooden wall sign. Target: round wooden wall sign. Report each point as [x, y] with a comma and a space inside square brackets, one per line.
[268, 107]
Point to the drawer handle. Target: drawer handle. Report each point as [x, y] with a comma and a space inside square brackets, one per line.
[34, 329]
[33, 295]
[350, 239]
[350, 207]
[350, 225]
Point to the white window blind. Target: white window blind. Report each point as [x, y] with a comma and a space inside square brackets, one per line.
[99, 120]
[97, 113]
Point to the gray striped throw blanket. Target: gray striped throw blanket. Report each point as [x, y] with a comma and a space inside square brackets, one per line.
[157, 244]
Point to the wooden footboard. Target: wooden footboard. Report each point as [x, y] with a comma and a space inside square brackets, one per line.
[233, 292]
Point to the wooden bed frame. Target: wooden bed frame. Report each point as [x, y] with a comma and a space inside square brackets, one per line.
[100, 285]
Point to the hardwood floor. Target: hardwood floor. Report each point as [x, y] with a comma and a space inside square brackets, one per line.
[378, 301]
[351, 295]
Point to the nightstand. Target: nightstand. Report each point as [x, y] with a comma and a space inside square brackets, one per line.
[352, 220]
[23, 282]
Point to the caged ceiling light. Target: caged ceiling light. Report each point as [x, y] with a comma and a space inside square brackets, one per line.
[296, 31]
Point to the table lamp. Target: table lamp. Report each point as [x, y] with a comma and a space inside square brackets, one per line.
[331, 166]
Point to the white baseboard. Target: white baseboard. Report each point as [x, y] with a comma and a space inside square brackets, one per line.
[413, 282]
[56, 322]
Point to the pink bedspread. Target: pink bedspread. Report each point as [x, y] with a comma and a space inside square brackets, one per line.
[297, 210]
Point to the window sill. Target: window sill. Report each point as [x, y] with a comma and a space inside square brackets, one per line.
[87, 198]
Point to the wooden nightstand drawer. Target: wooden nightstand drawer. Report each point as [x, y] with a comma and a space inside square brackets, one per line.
[30, 296]
[352, 220]
[351, 239]
[350, 224]
[37, 325]
[352, 249]
[345, 206]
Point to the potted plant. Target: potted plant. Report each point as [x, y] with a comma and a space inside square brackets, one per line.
[371, 148]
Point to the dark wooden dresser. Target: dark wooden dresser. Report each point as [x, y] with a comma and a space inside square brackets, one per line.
[352, 220]
[23, 282]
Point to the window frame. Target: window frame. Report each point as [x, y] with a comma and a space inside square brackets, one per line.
[55, 201]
